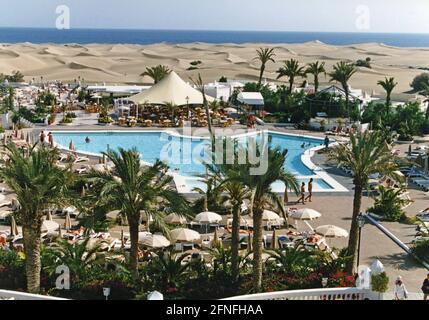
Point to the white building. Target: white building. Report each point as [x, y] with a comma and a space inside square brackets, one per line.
[254, 99]
[219, 90]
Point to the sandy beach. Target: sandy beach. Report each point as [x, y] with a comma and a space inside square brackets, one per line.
[124, 63]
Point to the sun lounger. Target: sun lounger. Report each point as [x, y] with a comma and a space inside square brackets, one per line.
[81, 159]
[82, 170]
[422, 183]
[5, 204]
[63, 157]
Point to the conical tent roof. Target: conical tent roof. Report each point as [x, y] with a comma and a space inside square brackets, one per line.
[170, 89]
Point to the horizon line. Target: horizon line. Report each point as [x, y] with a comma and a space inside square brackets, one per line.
[211, 30]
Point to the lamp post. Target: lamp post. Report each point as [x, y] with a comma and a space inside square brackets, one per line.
[361, 223]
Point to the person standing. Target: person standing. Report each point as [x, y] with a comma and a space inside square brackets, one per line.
[400, 289]
[42, 136]
[425, 287]
[310, 190]
[51, 139]
[326, 142]
[302, 198]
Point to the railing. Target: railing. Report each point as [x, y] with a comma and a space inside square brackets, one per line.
[16, 295]
[312, 294]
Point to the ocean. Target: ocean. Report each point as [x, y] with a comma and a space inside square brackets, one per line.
[115, 36]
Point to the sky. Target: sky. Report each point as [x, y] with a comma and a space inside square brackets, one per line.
[404, 16]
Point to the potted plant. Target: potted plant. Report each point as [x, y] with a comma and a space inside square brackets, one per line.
[380, 284]
[67, 120]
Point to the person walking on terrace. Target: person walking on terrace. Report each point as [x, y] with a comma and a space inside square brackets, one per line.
[425, 287]
[310, 190]
[302, 198]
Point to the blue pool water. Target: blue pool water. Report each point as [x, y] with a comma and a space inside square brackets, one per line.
[184, 155]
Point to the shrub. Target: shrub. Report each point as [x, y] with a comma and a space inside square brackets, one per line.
[425, 127]
[380, 282]
[105, 119]
[389, 204]
[364, 63]
[419, 81]
[223, 79]
[421, 249]
[12, 271]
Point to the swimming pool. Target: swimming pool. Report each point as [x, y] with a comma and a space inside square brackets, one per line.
[184, 154]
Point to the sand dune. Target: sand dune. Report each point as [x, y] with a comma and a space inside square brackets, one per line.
[123, 63]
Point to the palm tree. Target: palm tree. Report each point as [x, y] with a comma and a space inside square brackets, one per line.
[78, 257]
[132, 189]
[296, 260]
[342, 73]
[315, 69]
[388, 85]
[367, 154]
[157, 73]
[263, 197]
[170, 270]
[234, 192]
[291, 69]
[264, 55]
[38, 185]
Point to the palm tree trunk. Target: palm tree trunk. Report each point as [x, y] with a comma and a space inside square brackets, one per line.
[346, 90]
[354, 229]
[316, 83]
[133, 222]
[387, 103]
[290, 85]
[427, 112]
[33, 266]
[235, 239]
[257, 250]
[261, 74]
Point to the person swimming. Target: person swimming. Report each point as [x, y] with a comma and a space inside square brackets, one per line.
[87, 140]
[303, 145]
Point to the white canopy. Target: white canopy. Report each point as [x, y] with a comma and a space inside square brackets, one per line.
[175, 218]
[268, 215]
[330, 231]
[251, 98]
[156, 241]
[208, 217]
[183, 234]
[170, 89]
[305, 214]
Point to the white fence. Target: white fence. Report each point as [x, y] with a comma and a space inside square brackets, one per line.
[312, 294]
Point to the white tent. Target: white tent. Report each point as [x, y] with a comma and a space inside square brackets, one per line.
[170, 89]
